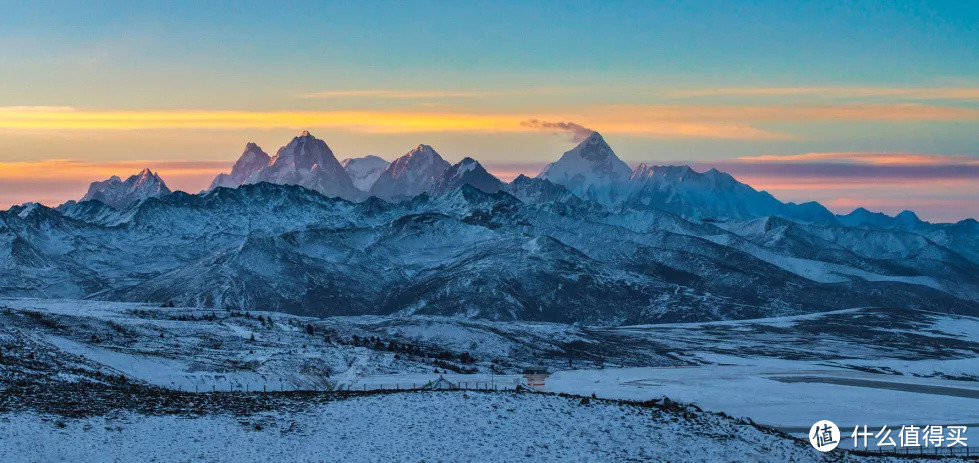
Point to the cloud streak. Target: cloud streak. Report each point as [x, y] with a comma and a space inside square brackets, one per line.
[879, 159]
[577, 132]
[905, 112]
[910, 93]
[400, 94]
[649, 121]
[435, 94]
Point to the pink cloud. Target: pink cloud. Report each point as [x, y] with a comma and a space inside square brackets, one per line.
[881, 158]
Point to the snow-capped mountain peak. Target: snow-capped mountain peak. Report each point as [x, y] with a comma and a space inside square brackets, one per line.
[118, 193]
[422, 149]
[594, 148]
[364, 171]
[252, 160]
[306, 161]
[467, 172]
[862, 218]
[410, 175]
[590, 170]
[302, 153]
[683, 173]
[908, 218]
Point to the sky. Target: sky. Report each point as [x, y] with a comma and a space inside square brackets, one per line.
[857, 103]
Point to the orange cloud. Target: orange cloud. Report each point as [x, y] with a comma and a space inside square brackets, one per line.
[388, 122]
[88, 170]
[652, 121]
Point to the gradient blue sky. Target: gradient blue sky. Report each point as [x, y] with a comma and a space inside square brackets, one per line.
[181, 87]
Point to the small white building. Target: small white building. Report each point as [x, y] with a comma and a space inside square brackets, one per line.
[535, 377]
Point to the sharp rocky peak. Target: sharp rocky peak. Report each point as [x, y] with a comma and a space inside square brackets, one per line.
[119, 194]
[594, 148]
[589, 169]
[306, 161]
[681, 173]
[415, 172]
[422, 150]
[466, 172]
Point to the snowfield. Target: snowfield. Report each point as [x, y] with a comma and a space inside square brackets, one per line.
[407, 426]
[850, 366]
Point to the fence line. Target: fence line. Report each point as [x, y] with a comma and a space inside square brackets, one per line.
[440, 383]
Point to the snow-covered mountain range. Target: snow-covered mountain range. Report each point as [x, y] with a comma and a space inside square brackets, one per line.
[118, 193]
[582, 243]
[306, 161]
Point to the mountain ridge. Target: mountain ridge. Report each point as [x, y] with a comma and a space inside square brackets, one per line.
[467, 253]
[306, 161]
[118, 194]
[411, 174]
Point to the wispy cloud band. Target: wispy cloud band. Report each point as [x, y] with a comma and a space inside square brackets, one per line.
[652, 121]
[437, 94]
[909, 93]
[879, 159]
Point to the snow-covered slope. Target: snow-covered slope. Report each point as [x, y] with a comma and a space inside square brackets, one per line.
[543, 192]
[307, 161]
[708, 195]
[959, 236]
[118, 193]
[468, 253]
[364, 171]
[466, 172]
[421, 426]
[145, 374]
[412, 174]
[251, 161]
[591, 170]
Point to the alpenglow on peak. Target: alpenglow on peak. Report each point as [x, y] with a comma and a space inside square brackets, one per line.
[306, 161]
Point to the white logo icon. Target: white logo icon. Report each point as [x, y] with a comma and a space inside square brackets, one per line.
[824, 435]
